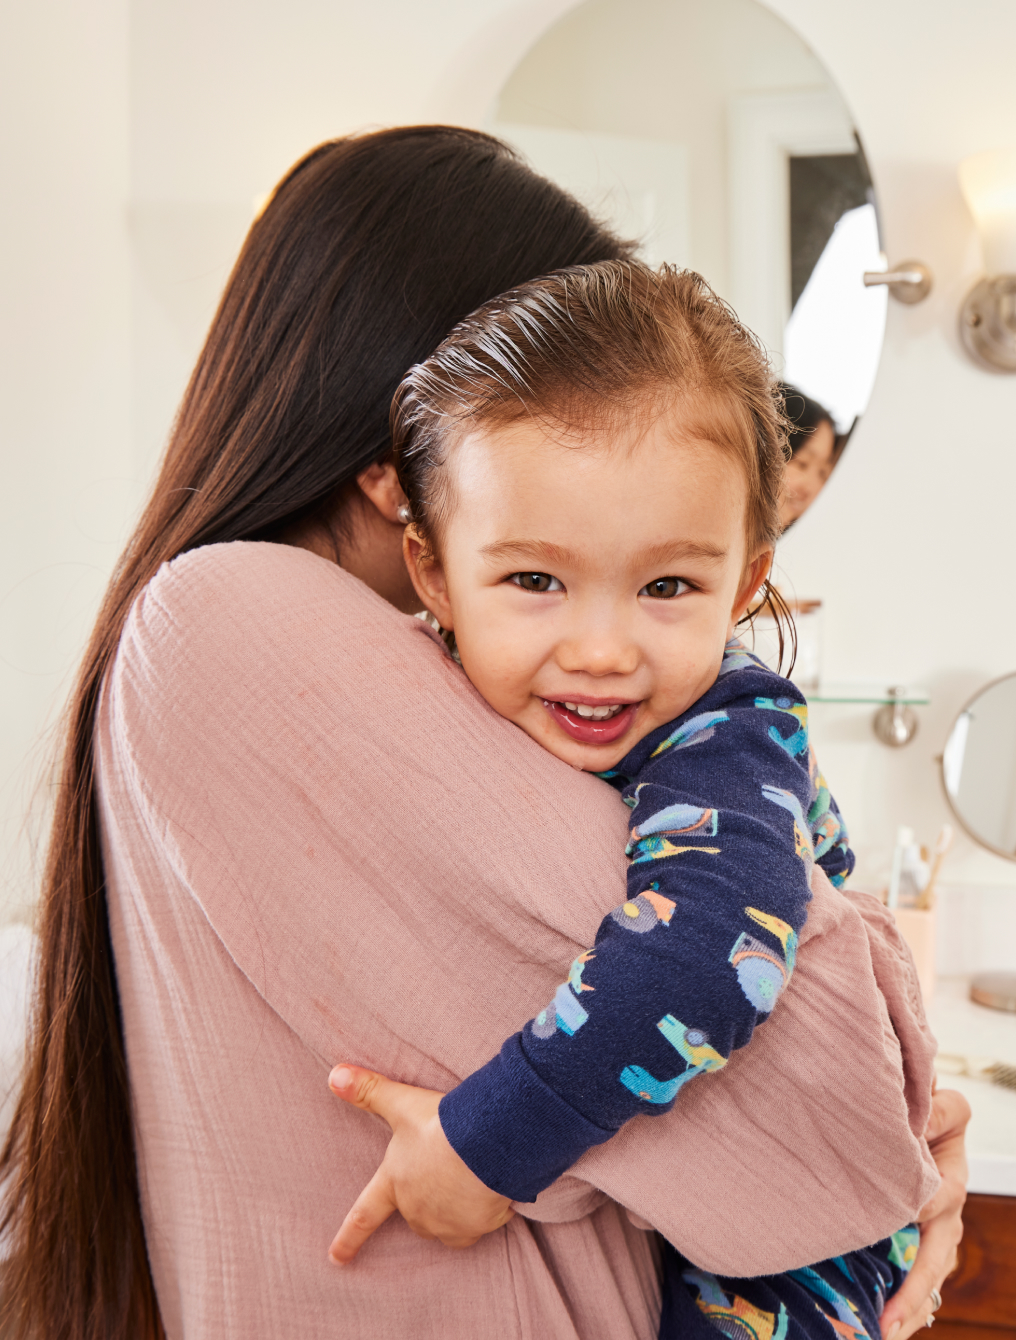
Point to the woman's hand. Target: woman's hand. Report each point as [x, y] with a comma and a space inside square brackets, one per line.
[940, 1220]
[421, 1176]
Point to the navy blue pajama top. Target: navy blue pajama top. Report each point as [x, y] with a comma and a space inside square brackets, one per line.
[728, 814]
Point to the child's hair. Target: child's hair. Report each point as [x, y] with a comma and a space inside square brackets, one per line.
[592, 345]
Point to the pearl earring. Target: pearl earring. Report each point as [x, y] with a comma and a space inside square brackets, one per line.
[404, 514]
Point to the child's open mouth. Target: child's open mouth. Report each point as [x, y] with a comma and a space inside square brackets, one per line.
[592, 723]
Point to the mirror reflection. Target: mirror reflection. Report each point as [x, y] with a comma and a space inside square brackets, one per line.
[711, 132]
[815, 448]
[979, 767]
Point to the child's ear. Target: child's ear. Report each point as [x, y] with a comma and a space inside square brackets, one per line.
[427, 576]
[755, 574]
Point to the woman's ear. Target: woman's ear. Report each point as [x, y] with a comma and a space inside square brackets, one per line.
[380, 485]
[427, 576]
[755, 574]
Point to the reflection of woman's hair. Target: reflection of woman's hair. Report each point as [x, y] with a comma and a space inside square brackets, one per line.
[368, 253]
[804, 416]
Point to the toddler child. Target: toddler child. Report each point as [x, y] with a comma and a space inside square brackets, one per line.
[593, 465]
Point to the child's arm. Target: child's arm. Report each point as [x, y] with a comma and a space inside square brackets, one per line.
[728, 815]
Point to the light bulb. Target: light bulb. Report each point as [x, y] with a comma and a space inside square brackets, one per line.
[989, 185]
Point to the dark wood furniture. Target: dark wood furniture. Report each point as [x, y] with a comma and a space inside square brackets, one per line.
[979, 1299]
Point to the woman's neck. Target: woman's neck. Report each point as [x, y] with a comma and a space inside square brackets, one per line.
[365, 544]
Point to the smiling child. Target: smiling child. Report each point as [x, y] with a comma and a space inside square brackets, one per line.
[593, 465]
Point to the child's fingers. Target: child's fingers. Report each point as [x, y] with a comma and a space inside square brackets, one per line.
[371, 1092]
[373, 1206]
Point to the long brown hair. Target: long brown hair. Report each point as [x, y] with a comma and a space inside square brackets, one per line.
[370, 250]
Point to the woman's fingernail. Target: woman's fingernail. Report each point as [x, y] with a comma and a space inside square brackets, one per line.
[340, 1078]
[894, 1329]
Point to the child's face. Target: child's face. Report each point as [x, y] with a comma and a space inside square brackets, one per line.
[591, 589]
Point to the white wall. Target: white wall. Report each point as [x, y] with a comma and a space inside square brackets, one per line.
[64, 371]
[135, 140]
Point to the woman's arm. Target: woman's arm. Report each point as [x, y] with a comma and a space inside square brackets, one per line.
[424, 1179]
[722, 1111]
[941, 1220]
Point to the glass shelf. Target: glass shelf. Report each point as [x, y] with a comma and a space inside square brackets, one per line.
[873, 694]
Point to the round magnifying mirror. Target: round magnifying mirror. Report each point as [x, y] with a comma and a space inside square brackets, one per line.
[979, 767]
[710, 131]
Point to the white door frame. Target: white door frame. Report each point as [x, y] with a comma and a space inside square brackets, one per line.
[765, 130]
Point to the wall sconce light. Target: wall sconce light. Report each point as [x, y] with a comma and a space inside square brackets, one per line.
[988, 316]
[909, 282]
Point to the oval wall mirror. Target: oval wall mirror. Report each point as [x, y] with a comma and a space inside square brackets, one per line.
[709, 130]
[979, 767]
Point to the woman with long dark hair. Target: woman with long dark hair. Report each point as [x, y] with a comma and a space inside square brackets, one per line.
[153, 924]
[369, 252]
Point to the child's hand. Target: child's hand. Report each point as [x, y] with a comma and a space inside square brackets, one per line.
[941, 1219]
[421, 1176]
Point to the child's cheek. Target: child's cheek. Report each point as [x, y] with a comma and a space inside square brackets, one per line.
[491, 661]
[510, 677]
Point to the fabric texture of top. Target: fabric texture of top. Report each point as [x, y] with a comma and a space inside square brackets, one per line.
[321, 845]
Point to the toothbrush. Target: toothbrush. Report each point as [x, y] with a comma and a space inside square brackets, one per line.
[904, 837]
[945, 839]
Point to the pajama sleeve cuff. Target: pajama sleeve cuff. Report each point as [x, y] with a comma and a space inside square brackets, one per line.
[511, 1129]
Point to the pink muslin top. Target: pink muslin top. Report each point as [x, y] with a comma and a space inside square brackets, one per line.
[321, 844]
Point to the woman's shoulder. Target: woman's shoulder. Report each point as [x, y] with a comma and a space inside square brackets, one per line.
[238, 564]
[261, 605]
[249, 581]
[260, 629]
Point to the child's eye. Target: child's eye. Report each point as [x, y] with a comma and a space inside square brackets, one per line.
[536, 581]
[665, 588]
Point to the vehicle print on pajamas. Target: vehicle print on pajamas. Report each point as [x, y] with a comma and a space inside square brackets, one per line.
[796, 743]
[650, 839]
[735, 1317]
[644, 912]
[564, 1012]
[762, 972]
[696, 730]
[692, 1045]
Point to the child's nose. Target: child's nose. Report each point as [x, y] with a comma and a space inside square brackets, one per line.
[598, 651]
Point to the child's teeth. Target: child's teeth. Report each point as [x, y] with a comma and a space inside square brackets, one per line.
[594, 713]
